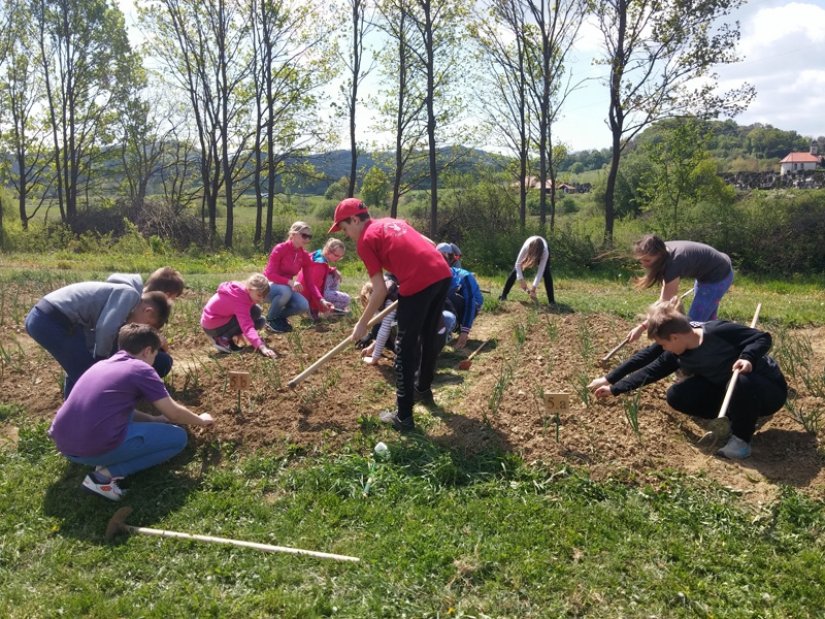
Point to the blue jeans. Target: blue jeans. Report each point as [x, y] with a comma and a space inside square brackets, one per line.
[706, 299]
[146, 444]
[66, 343]
[284, 301]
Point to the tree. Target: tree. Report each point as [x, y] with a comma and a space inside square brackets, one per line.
[376, 187]
[361, 23]
[555, 26]
[501, 36]
[403, 101]
[85, 56]
[436, 23]
[289, 64]
[204, 48]
[21, 94]
[660, 54]
[337, 191]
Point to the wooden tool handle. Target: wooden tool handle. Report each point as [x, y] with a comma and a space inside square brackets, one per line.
[477, 350]
[616, 349]
[343, 344]
[729, 393]
[237, 542]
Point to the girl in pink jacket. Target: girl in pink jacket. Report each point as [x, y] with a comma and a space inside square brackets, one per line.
[234, 310]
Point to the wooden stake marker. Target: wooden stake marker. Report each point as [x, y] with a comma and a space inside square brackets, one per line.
[239, 381]
[556, 402]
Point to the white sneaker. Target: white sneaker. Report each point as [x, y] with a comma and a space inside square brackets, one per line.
[735, 449]
[108, 489]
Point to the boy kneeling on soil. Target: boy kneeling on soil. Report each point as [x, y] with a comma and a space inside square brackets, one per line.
[99, 426]
[709, 353]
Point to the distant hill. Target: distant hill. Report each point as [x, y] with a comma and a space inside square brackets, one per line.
[335, 164]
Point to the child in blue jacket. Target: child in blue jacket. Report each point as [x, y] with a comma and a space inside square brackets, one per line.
[464, 294]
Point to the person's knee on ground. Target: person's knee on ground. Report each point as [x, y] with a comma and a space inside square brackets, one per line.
[163, 363]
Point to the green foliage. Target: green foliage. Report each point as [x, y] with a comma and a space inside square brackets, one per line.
[375, 187]
[337, 191]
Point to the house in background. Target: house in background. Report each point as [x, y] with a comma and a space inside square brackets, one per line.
[533, 182]
[798, 162]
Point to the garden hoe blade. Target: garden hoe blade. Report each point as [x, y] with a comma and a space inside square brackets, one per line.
[466, 363]
[718, 432]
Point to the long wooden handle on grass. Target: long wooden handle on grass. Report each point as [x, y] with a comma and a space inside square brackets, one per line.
[729, 393]
[339, 347]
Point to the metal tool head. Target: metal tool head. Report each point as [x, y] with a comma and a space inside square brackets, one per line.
[117, 523]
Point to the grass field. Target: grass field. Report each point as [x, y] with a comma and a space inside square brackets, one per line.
[440, 532]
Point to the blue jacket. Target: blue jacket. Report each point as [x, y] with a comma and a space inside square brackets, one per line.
[464, 283]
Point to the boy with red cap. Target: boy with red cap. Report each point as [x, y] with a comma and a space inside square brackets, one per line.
[423, 280]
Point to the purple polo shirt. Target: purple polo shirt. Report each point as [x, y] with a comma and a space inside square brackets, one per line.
[94, 418]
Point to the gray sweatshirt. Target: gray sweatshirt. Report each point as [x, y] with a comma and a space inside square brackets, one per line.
[100, 309]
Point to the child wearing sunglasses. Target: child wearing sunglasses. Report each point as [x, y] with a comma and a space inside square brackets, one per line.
[327, 278]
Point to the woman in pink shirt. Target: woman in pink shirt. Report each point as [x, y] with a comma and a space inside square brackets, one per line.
[285, 261]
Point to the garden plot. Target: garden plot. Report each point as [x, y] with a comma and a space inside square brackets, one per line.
[500, 403]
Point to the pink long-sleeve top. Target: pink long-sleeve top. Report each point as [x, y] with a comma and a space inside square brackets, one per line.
[231, 299]
[284, 263]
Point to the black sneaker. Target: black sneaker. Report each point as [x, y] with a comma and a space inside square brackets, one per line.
[392, 418]
[279, 325]
[424, 397]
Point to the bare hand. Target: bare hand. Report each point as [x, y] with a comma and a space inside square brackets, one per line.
[636, 332]
[601, 381]
[367, 351]
[164, 344]
[206, 419]
[328, 307]
[268, 352]
[744, 366]
[461, 342]
[603, 392]
[297, 287]
[358, 332]
[523, 285]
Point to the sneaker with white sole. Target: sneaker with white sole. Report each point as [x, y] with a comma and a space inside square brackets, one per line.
[223, 344]
[735, 449]
[105, 488]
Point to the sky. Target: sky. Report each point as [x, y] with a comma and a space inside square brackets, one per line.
[783, 51]
[783, 55]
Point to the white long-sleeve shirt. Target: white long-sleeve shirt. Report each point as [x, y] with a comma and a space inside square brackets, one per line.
[545, 256]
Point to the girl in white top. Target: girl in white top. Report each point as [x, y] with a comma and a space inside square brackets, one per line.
[534, 253]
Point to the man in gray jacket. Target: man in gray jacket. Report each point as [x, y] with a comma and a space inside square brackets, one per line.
[78, 324]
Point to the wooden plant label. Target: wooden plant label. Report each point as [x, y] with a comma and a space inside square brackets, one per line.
[239, 380]
[555, 402]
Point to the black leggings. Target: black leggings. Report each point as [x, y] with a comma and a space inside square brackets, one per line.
[233, 327]
[548, 284]
[756, 395]
[418, 317]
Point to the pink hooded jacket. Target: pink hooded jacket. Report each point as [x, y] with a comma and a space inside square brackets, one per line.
[231, 299]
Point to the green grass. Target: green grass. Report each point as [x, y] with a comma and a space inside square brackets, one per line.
[430, 532]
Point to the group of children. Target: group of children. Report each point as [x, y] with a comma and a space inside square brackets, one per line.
[105, 335]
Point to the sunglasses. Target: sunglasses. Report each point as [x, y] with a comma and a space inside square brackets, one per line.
[306, 235]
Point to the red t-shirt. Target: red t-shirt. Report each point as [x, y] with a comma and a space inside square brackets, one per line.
[395, 246]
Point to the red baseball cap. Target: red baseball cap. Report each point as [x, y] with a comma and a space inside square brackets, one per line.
[346, 208]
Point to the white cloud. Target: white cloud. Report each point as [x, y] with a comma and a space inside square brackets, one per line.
[783, 46]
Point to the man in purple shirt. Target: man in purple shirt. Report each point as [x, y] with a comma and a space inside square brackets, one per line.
[99, 426]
